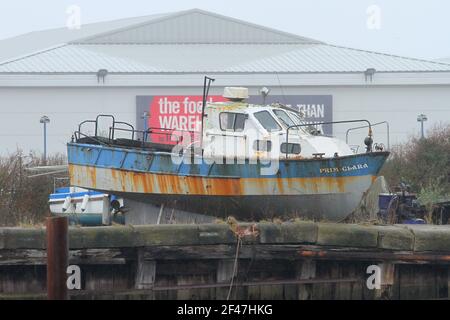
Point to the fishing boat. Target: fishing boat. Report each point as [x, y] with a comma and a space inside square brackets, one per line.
[249, 161]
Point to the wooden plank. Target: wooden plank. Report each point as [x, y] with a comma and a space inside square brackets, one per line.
[221, 252]
[417, 282]
[387, 281]
[225, 273]
[343, 290]
[208, 252]
[102, 277]
[441, 282]
[86, 256]
[145, 272]
[100, 256]
[292, 252]
[23, 257]
[306, 269]
[357, 270]
[448, 282]
[2, 238]
[349, 254]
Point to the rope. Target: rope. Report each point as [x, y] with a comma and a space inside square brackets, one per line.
[235, 268]
[240, 233]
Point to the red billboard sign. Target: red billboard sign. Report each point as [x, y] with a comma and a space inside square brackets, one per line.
[178, 115]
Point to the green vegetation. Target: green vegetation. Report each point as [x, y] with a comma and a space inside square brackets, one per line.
[424, 164]
[24, 200]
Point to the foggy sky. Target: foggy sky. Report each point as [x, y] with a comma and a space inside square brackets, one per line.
[414, 28]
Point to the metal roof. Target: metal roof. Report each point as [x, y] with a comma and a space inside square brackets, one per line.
[40, 40]
[195, 26]
[232, 58]
[190, 26]
[196, 41]
[443, 60]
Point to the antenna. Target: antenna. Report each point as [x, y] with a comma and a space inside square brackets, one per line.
[206, 85]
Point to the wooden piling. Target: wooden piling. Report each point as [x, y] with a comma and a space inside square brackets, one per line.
[387, 281]
[306, 271]
[57, 258]
[145, 272]
[225, 273]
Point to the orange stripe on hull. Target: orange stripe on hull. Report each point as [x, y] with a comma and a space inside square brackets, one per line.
[150, 183]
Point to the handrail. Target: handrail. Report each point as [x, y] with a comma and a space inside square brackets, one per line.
[93, 138]
[169, 129]
[127, 127]
[106, 116]
[151, 130]
[322, 123]
[225, 135]
[133, 131]
[373, 125]
[125, 123]
[84, 122]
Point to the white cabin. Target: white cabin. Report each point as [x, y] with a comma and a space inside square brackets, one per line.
[237, 129]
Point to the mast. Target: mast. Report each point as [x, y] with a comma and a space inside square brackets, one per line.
[206, 85]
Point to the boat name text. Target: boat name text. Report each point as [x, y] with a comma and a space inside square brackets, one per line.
[344, 168]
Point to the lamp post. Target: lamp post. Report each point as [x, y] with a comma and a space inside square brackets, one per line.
[422, 118]
[44, 120]
[145, 117]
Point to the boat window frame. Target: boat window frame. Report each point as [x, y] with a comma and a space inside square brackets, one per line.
[280, 128]
[290, 148]
[259, 143]
[301, 121]
[281, 120]
[234, 121]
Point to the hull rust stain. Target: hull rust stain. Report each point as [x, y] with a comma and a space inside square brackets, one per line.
[138, 182]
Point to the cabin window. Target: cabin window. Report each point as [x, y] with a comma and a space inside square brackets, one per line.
[230, 121]
[297, 118]
[262, 145]
[267, 121]
[291, 148]
[284, 118]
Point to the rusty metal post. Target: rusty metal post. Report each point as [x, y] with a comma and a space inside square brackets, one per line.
[57, 258]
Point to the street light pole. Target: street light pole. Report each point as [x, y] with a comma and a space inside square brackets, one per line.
[145, 116]
[44, 120]
[422, 118]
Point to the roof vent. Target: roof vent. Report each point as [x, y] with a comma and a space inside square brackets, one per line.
[235, 93]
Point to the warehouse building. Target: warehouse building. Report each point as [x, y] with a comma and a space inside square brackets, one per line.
[150, 64]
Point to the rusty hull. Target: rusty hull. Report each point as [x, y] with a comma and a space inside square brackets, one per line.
[323, 188]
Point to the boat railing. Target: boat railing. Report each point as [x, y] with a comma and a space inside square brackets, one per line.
[112, 130]
[82, 137]
[354, 148]
[136, 138]
[369, 125]
[179, 134]
[173, 135]
[373, 125]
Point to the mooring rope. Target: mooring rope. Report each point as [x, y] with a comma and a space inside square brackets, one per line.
[239, 232]
[235, 267]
